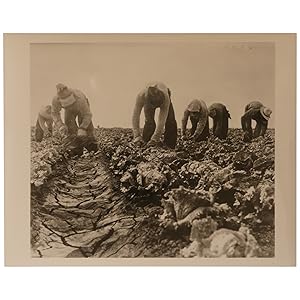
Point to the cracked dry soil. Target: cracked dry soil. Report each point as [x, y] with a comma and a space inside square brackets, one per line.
[80, 213]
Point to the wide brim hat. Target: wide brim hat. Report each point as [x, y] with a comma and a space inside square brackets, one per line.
[266, 113]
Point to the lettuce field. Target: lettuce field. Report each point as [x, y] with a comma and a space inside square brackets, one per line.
[204, 199]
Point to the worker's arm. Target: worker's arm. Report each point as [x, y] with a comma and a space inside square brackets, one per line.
[84, 108]
[246, 119]
[264, 127]
[247, 108]
[42, 121]
[184, 121]
[212, 112]
[162, 117]
[55, 111]
[136, 116]
[202, 121]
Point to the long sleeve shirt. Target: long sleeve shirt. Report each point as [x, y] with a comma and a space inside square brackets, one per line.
[142, 100]
[44, 117]
[80, 108]
[195, 105]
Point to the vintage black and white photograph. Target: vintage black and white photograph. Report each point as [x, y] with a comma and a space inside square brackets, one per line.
[152, 148]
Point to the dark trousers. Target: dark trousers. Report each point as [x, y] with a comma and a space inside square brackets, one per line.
[194, 125]
[220, 125]
[79, 143]
[170, 135]
[39, 133]
[70, 122]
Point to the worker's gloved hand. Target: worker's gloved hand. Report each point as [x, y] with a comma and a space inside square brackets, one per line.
[138, 141]
[63, 130]
[81, 132]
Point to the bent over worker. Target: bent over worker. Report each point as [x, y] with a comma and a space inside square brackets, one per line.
[44, 123]
[155, 95]
[255, 110]
[220, 115]
[198, 113]
[76, 105]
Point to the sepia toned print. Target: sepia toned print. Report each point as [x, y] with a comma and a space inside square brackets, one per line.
[149, 189]
[157, 150]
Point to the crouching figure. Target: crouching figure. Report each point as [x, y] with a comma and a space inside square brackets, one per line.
[220, 115]
[154, 96]
[44, 124]
[197, 112]
[76, 106]
[255, 111]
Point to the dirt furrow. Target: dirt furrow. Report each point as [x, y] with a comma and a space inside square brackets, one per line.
[83, 215]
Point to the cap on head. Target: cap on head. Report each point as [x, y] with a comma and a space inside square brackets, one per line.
[266, 112]
[194, 106]
[63, 91]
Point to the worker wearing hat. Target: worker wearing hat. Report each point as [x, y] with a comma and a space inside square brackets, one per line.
[76, 105]
[155, 95]
[220, 115]
[255, 110]
[44, 123]
[198, 113]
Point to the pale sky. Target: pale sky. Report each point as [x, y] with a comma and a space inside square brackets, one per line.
[112, 74]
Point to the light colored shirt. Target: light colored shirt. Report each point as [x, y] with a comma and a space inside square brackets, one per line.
[195, 106]
[79, 107]
[141, 99]
[44, 117]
